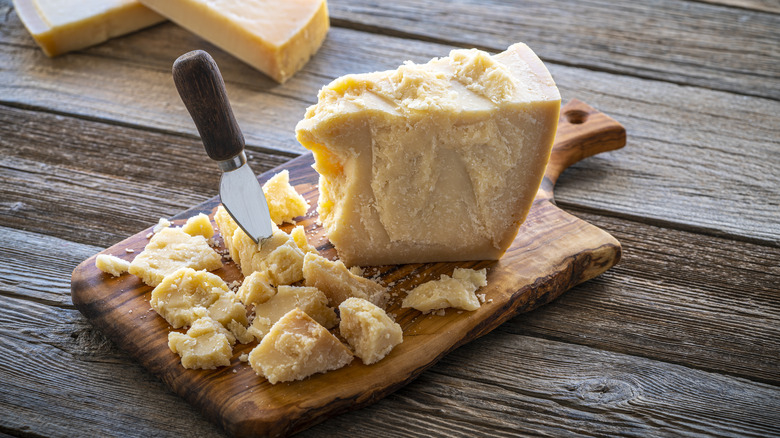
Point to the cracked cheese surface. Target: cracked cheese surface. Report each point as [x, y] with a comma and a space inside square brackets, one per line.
[432, 162]
[297, 347]
[370, 332]
[169, 250]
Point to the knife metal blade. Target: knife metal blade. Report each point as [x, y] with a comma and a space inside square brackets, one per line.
[202, 90]
[244, 199]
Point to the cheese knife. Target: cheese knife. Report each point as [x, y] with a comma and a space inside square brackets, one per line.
[202, 90]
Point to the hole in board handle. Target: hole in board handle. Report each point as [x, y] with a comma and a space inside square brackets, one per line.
[576, 117]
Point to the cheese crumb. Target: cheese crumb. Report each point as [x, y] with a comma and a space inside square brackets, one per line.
[279, 257]
[199, 225]
[162, 223]
[111, 264]
[256, 289]
[187, 295]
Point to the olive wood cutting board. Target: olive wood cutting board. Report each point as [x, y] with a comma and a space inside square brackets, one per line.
[552, 252]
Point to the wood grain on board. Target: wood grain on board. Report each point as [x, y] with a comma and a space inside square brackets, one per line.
[553, 252]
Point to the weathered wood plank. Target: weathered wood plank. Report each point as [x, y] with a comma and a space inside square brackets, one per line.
[678, 168]
[676, 296]
[502, 385]
[60, 377]
[508, 385]
[95, 183]
[677, 41]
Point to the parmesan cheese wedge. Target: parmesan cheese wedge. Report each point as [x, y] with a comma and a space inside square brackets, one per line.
[275, 37]
[432, 162]
[60, 26]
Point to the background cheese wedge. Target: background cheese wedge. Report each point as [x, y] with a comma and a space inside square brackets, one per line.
[275, 37]
[60, 26]
[432, 162]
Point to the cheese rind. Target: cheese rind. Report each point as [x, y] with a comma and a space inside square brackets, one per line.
[60, 26]
[275, 37]
[368, 330]
[297, 347]
[432, 162]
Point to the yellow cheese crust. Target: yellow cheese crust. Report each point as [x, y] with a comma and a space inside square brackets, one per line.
[432, 162]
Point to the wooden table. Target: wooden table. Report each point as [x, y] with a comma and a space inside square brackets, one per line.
[681, 337]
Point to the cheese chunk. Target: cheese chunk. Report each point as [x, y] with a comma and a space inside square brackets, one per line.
[186, 295]
[111, 264]
[432, 162]
[284, 203]
[60, 26]
[228, 308]
[169, 250]
[457, 291]
[227, 227]
[368, 330]
[206, 345]
[256, 289]
[338, 283]
[198, 225]
[275, 37]
[297, 347]
[307, 299]
[279, 257]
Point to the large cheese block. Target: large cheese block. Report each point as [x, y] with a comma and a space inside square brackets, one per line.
[60, 26]
[275, 37]
[432, 162]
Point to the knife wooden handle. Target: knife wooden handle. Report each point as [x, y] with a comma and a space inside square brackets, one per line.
[202, 90]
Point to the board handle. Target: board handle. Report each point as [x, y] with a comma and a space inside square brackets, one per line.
[583, 131]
